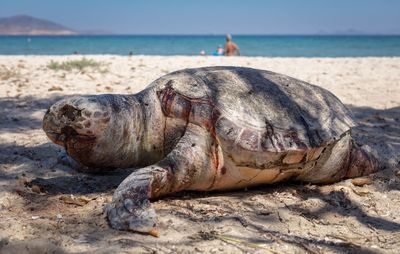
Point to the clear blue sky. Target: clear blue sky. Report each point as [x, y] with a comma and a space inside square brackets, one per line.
[215, 16]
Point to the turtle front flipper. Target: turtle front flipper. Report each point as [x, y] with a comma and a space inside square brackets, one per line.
[130, 208]
[190, 165]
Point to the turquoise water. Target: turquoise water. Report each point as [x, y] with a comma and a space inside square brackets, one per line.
[274, 46]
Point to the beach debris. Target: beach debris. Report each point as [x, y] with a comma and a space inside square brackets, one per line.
[21, 84]
[80, 240]
[154, 233]
[84, 199]
[212, 235]
[59, 219]
[35, 217]
[361, 191]
[361, 181]
[80, 201]
[55, 88]
[90, 76]
[36, 189]
[8, 73]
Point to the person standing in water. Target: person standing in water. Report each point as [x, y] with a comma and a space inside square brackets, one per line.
[231, 49]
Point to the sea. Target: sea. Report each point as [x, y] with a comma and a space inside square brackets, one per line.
[250, 45]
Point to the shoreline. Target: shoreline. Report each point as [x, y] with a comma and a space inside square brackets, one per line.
[206, 56]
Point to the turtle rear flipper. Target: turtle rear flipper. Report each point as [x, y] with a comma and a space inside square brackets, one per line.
[342, 159]
[362, 162]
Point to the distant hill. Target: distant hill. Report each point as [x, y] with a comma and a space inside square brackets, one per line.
[27, 25]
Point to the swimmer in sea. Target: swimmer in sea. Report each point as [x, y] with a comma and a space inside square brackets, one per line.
[231, 49]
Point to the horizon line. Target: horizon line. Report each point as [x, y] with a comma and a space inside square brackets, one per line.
[205, 34]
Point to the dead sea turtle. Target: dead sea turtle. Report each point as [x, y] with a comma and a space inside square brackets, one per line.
[212, 128]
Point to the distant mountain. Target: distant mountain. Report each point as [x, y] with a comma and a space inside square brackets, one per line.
[27, 25]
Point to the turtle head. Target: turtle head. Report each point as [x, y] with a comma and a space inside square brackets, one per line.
[91, 129]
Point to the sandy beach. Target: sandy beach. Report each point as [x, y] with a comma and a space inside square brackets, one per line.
[38, 201]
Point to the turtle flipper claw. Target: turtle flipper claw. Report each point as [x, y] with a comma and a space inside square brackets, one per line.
[134, 216]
